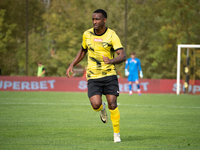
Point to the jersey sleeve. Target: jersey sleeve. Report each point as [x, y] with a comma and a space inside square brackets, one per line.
[116, 42]
[126, 64]
[84, 45]
[139, 65]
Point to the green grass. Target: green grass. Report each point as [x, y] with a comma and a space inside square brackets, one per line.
[59, 120]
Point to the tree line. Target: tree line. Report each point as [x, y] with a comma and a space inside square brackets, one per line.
[55, 28]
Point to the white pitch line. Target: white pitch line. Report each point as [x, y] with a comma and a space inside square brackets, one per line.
[81, 104]
[44, 104]
[19, 99]
[161, 106]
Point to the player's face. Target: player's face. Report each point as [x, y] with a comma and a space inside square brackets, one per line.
[133, 56]
[98, 21]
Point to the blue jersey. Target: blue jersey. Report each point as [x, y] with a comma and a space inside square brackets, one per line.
[133, 66]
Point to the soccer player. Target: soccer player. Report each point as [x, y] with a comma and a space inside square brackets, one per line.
[41, 70]
[101, 43]
[131, 70]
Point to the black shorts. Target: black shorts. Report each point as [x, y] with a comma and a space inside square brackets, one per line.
[106, 85]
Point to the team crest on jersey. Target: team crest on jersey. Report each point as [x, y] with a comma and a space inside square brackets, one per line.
[133, 60]
[98, 40]
[105, 45]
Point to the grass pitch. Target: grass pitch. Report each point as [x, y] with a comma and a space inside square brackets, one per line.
[59, 120]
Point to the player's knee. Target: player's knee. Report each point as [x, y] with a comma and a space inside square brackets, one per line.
[112, 105]
[96, 106]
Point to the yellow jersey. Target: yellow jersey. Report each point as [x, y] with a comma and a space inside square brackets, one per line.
[97, 46]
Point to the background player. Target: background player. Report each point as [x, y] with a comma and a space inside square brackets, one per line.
[131, 70]
[41, 70]
[101, 43]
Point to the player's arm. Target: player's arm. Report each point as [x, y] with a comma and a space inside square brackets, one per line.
[140, 69]
[126, 68]
[119, 59]
[82, 52]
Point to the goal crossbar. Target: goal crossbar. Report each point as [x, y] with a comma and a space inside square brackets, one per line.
[179, 63]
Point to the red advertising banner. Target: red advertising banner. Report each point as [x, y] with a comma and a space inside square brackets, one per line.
[65, 84]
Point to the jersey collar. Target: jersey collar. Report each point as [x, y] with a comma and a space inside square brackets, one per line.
[100, 34]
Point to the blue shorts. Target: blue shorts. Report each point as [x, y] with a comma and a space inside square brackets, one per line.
[133, 77]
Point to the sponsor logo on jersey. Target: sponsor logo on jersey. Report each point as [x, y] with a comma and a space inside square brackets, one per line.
[98, 40]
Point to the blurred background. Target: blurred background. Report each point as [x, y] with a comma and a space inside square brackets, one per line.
[51, 31]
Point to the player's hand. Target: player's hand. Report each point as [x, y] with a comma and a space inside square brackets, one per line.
[141, 74]
[69, 70]
[126, 72]
[106, 60]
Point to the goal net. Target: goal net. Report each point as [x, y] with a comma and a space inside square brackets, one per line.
[188, 67]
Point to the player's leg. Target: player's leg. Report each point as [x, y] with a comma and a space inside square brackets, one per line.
[130, 81]
[114, 116]
[111, 90]
[130, 87]
[138, 87]
[95, 91]
[98, 105]
[96, 102]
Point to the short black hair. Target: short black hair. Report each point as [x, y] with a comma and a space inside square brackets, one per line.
[132, 53]
[103, 12]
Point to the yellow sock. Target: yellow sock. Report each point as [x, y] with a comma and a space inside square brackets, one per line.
[99, 109]
[115, 118]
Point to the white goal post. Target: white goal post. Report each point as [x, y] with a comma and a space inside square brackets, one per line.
[179, 63]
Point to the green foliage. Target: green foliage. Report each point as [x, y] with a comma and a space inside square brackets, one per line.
[158, 26]
[6, 43]
[55, 33]
[13, 32]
